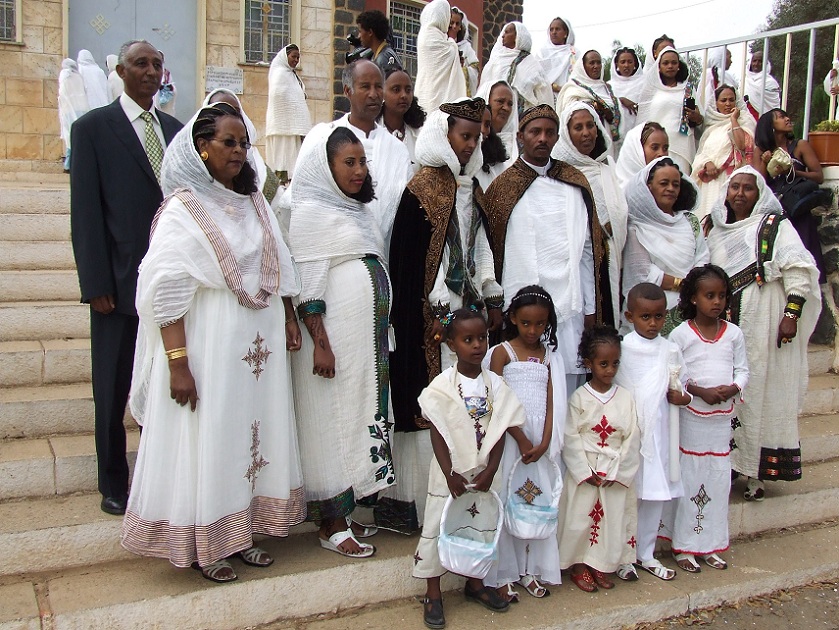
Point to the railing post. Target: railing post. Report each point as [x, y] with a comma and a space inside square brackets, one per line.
[809, 91]
[701, 87]
[832, 112]
[763, 72]
[787, 57]
[743, 69]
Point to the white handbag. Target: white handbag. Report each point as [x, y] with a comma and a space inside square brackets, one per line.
[531, 512]
[469, 532]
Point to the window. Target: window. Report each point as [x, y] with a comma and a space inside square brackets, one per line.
[405, 24]
[8, 20]
[267, 29]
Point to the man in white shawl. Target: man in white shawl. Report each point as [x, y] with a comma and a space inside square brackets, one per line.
[762, 97]
[287, 119]
[460, 33]
[115, 84]
[544, 231]
[584, 144]
[390, 162]
[776, 303]
[558, 56]
[218, 459]
[95, 81]
[72, 102]
[627, 80]
[511, 61]
[717, 74]
[439, 72]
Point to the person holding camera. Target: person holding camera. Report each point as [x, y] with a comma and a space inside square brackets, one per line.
[373, 31]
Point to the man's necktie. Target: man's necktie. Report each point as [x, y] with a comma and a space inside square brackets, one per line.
[153, 147]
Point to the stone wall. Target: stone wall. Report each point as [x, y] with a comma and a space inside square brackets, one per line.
[496, 14]
[346, 12]
[827, 329]
[29, 127]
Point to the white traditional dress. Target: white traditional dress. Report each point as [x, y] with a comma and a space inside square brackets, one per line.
[343, 421]
[115, 84]
[609, 200]
[508, 133]
[763, 99]
[472, 415]
[558, 59]
[440, 76]
[287, 118]
[528, 378]
[766, 442]
[601, 439]
[206, 481]
[72, 101]
[701, 523]
[665, 105]
[95, 81]
[630, 88]
[471, 64]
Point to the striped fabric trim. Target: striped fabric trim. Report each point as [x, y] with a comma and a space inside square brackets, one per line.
[183, 545]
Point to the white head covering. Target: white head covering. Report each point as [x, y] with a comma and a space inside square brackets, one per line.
[111, 62]
[470, 58]
[716, 143]
[287, 114]
[508, 133]
[577, 89]
[433, 147]
[627, 87]
[529, 79]
[558, 59]
[440, 77]
[115, 84]
[717, 61]
[631, 159]
[95, 81]
[72, 100]
[762, 100]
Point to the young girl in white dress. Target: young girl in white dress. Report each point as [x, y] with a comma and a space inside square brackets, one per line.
[602, 454]
[715, 350]
[527, 361]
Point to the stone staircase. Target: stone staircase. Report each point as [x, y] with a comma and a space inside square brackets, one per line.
[61, 565]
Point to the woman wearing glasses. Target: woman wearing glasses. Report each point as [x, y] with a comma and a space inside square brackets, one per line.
[218, 459]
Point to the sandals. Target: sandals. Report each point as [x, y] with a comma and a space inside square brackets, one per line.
[755, 490]
[657, 569]
[584, 581]
[256, 557]
[687, 562]
[339, 537]
[714, 561]
[220, 572]
[509, 593]
[432, 613]
[627, 573]
[366, 530]
[532, 586]
[600, 579]
[488, 598]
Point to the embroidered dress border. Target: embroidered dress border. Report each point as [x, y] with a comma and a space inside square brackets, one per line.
[184, 544]
[334, 508]
[398, 515]
[311, 307]
[780, 464]
[701, 553]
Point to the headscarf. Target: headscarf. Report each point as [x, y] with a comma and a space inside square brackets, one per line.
[631, 158]
[433, 148]
[580, 88]
[72, 100]
[115, 85]
[287, 114]
[440, 76]
[511, 127]
[95, 81]
[609, 199]
[557, 60]
[528, 77]
[716, 143]
[717, 62]
[762, 100]
[471, 63]
[626, 87]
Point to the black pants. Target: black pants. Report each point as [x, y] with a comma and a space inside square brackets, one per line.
[112, 340]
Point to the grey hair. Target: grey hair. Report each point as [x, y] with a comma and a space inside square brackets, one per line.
[123, 50]
[348, 74]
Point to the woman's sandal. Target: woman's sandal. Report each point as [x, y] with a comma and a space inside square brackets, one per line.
[509, 593]
[488, 598]
[627, 573]
[715, 562]
[336, 539]
[601, 580]
[220, 572]
[532, 586]
[584, 581]
[687, 562]
[754, 490]
[364, 531]
[657, 569]
[432, 613]
[256, 557]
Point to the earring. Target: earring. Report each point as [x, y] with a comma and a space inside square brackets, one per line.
[204, 155]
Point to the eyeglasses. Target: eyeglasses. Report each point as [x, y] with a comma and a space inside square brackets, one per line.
[230, 143]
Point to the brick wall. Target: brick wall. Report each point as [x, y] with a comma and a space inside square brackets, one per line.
[496, 14]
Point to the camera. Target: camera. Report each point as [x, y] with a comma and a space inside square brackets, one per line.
[354, 40]
[360, 52]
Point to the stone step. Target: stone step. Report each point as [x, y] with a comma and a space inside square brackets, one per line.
[822, 395]
[306, 581]
[59, 465]
[30, 255]
[35, 227]
[25, 321]
[25, 286]
[34, 198]
[54, 361]
[819, 359]
[819, 437]
[31, 412]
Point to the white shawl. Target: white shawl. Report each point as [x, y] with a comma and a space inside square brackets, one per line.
[433, 149]
[95, 81]
[287, 114]
[631, 158]
[115, 84]
[717, 142]
[664, 105]
[529, 79]
[717, 59]
[762, 100]
[574, 90]
[626, 87]
[609, 199]
[558, 60]
[471, 64]
[508, 133]
[440, 76]
[72, 100]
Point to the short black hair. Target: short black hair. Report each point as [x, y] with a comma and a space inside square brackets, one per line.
[691, 283]
[687, 193]
[375, 21]
[644, 291]
[631, 51]
[599, 335]
[529, 296]
[663, 38]
[245, 183]
[461, 315]
[493, 150]
[337, 139]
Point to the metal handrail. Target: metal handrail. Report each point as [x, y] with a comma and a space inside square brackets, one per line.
[765, 36]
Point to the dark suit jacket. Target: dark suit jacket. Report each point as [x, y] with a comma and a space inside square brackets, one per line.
[113, 198]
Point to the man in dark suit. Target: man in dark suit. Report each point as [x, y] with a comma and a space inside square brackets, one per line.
[114, 194]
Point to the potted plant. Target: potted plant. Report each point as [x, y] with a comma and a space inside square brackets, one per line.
[825, 142]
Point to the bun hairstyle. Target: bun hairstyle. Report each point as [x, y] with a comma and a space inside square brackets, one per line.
[691, 282]
[529, 296]
[205, 127]
[596, 336]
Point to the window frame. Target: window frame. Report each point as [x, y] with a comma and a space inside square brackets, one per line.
[18, 25]
[294, 8]
[411, 3]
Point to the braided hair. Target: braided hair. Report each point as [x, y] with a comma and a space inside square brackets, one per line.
[528, 296]
[691, 283]
[245, 183]
[597, 336]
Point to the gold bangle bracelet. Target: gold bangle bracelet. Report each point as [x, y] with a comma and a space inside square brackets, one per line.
[176, 353]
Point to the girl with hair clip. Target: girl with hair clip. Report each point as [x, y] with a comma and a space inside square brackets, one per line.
[526, 361]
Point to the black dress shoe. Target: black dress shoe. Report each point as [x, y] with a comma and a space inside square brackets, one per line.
[432, 614]
[113, 505]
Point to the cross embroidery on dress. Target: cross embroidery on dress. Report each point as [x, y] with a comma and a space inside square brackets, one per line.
[701, 499]
[604, 430]
[257, 356]
[258, 462]
[596, 516]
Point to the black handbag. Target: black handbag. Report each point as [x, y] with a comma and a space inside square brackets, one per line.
[799, 196]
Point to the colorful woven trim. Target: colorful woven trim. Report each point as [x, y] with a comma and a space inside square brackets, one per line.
[333, 508]
[780, 464]
[494, 301]
[311, 307]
